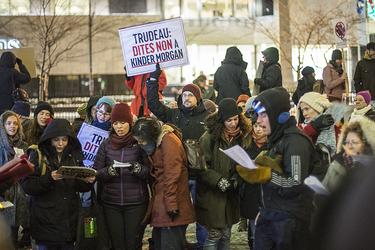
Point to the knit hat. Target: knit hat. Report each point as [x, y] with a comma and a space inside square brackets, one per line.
[336, 55]
[81, 110]
[92, 101]
[209, 105]
[193, 89]
[21, 108]
[121, 112]
[366, 95]
[43, 106]
[227, 109]
[315, 100]
[370, 45]
[307, 71]
[242, 98]
[106, 99]
[249, 103]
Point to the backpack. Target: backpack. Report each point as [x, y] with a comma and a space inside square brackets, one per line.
[196, 160]
[319, 87]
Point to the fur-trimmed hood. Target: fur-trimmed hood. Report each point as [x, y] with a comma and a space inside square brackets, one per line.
[165, 129]
[368, 128]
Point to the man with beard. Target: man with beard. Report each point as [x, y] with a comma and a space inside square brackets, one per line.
[188, 117]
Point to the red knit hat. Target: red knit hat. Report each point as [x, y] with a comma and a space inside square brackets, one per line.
[242, 98]
[193, 89]
[121, 112]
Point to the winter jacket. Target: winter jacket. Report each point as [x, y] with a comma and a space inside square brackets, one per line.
[214, 208]
[333, 81]
[364, 76]
[208, 93]
[286, 195]
[308, 129]
[230, 79]
[305, 84]
[189, 121]
[271, 75]
[8, 75]
[171, 187]
[54, 204]
[124, 189]
[135, 83]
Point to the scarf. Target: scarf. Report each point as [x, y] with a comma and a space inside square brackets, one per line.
[260, 140]
[119, 142]
[362, 111]
[105, 125]
[229, 135]
[14, 141]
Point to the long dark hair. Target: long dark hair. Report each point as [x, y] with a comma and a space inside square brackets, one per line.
[147, 129]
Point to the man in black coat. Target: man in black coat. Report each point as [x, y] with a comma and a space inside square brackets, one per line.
[230, 80]
[271, 76]
[9, 76]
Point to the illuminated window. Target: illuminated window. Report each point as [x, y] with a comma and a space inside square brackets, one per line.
[127, 6]
[14, 7]
[263, 7]
[171, 8]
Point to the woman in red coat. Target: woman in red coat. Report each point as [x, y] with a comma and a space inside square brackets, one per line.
[170, 209]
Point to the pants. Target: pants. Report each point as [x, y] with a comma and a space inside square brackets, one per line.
[64, 247]
[124, 225]
[285, 234]
[200, 230]
[218, 238]
[169, 238]
[251, 233]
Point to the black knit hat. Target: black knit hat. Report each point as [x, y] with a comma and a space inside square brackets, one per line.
[370, 45]
[21, 108]
[227, 109]
[336, 55]
[307, 71]
[43, 106]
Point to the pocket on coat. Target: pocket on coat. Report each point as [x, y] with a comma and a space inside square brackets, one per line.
[45, 212]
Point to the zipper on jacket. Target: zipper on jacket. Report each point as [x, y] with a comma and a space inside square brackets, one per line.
[122, 194]
[261, 190]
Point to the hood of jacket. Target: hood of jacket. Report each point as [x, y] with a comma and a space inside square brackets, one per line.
[367, 57]
[4, 137]
[368, 128]
[272, 55]
[8, 60]
[165, 129]
[234, 56]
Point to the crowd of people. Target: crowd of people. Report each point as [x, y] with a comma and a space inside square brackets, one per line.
[155, 186]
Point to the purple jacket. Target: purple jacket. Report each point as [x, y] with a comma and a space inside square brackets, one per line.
[124, 189]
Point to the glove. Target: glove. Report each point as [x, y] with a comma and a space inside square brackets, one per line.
[155, 75]
[135, 168]
[173, 214]
[227, 186]
[266, 161]
[258, 175]
[18, 61]
[112, 171]
[255, 80]
[322, 122]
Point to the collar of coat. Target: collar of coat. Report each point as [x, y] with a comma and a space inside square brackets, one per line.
[165, 129]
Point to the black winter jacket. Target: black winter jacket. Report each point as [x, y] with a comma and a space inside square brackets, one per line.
[54, 204]
[230, 80]
[190, 122]
[124, 189]
[364, 76]
[271, 75]
[7, 72]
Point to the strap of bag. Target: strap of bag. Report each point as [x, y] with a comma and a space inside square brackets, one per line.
[42, 158]
[142, 97]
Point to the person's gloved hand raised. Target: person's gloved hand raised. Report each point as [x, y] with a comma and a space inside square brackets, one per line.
[173, 214]
[18, 61]
[155, 74]
[135, 168]
[322, 122]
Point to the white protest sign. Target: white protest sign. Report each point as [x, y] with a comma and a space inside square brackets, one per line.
[339, 31]
[90, 138]
[160, 42]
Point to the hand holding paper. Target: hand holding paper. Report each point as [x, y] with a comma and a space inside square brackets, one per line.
[117, 164]
[239, 155]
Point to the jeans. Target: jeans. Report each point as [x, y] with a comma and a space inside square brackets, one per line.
[64, 247]
[169, 238]
[200, 230]
[218, 238]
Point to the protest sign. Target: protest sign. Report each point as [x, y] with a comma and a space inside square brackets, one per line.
[90, 138]
[160, 42]
[76, 172]
[339, 31]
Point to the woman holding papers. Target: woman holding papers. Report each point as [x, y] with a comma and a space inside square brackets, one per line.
[125, 193]
[54, 201]
[217, 197]
[11, 146]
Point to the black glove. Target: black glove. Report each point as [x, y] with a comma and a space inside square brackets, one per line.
[156, 73]
[322, 122]
[227, 186]
[18, 61]
[112, 171]
[135, 168]
[173, 214]
[255, 80]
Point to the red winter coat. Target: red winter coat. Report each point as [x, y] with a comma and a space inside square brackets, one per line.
[135, 84]
[171, 187]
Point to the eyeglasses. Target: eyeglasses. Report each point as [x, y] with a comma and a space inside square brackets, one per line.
[359, 100]
[99, 112]
[353, 143]
[187, 95]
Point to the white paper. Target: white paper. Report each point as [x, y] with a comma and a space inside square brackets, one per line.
[118, 164]
[313, 183]
[239, 155]
[6, 204]
[19, 152]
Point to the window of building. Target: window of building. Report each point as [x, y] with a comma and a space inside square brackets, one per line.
[263, 7]
[127, 6]
[171, 8]
[216, 8]
[14, 7]
[243, 9]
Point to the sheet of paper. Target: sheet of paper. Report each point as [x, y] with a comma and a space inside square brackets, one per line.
[239, 155]
[118, 164]
[313, 183]
[19, 152]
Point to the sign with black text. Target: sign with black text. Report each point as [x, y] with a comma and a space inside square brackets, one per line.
[160, 42]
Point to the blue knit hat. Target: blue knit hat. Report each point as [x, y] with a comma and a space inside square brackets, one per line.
[21, 108]
[106, 99]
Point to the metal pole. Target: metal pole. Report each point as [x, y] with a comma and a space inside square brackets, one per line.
[91, 85]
